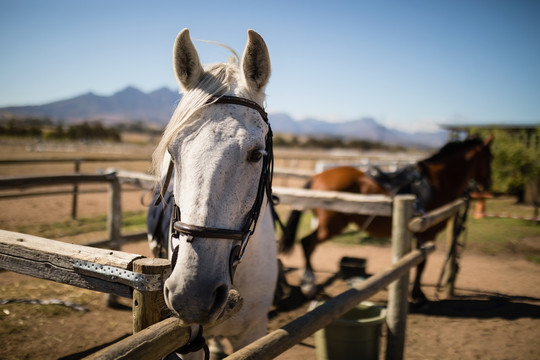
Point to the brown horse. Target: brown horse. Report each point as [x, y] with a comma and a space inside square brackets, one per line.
[436, 181]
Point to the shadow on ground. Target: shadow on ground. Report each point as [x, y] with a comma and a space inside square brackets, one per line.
[486, 306]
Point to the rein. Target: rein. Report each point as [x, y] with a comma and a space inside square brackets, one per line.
[459, 227]
[264, 187]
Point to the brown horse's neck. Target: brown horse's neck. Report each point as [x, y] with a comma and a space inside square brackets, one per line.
[449, 177]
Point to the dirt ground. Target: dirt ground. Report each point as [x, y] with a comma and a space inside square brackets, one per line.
[494, 315]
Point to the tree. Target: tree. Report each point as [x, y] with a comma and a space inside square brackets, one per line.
[516, 160]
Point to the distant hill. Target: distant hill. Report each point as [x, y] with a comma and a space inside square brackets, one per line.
[363, 128]
[131, 104]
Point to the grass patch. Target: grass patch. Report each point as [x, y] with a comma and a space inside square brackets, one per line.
[131, 221]
[507, 205]
[533, 258]
[495, 235]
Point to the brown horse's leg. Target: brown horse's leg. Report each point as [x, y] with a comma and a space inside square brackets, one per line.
[330, 225]
[417, 294]
[307, 283]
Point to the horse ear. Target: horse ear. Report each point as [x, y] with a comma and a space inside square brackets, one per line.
[256, 62]
[186, 63]
[489, 140]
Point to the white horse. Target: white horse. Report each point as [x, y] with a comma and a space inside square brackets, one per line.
[218, 142]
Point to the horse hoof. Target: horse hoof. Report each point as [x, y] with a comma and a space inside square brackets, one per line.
[308, 290]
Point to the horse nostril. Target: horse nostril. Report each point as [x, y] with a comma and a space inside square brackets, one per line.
[221, 294]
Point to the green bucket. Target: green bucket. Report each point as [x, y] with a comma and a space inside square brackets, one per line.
[355, 335]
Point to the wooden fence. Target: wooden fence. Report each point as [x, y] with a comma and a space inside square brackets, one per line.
[83, 266]
[77, 162]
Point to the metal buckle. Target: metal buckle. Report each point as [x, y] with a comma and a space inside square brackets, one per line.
[243, 246]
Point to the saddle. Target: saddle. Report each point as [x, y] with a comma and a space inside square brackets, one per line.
[407, 180]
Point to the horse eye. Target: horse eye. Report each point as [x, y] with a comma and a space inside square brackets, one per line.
[255, 156]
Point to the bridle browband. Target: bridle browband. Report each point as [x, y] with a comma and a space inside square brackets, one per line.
[264, 187]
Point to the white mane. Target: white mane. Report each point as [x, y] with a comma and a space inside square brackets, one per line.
[217, 80]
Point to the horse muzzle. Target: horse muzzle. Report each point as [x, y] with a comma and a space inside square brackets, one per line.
[207, 309]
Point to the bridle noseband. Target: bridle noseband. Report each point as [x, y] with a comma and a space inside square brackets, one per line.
[264, 187]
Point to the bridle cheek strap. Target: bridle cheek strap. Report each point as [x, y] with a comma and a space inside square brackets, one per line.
[165, 184]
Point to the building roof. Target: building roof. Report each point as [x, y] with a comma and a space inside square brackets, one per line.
[467, 127]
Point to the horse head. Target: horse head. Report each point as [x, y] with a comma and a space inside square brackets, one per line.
[480, 158]
[218, 145]
[452, 169]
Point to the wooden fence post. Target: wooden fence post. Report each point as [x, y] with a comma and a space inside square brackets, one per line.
[75, 191]
[114, 226]
[149, 306]
[114, 216]
[398, 305]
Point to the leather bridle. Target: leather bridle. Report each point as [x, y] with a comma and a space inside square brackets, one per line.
[264, 187]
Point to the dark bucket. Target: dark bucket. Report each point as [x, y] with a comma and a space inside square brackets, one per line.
[352, 267]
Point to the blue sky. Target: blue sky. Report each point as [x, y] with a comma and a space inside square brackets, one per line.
[408, 64]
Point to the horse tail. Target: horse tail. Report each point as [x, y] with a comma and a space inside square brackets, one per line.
[289, 232]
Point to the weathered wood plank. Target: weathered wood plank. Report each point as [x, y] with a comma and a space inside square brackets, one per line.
[53, 260]
[47, 271]
[302, 199]
[422, 223]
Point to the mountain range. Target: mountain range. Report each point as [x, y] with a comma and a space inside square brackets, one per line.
[131, 104]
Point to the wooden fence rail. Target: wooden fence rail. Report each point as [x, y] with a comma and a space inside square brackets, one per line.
[436, 216]
[52, 180]
[55, 261]
[70, 160]
[302, 199]
[154, 342]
